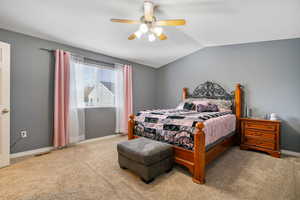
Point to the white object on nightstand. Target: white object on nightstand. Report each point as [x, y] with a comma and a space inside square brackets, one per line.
[273, 116]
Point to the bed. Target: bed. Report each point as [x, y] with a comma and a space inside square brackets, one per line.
[197, 137]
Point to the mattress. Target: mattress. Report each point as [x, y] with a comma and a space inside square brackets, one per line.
[176, 126]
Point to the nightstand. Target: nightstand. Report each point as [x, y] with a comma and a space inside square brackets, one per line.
[262, 135]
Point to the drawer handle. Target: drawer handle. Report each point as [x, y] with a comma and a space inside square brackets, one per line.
[253, 125]
[256, 133]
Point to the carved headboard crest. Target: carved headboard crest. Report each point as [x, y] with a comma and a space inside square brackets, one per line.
[211, 90]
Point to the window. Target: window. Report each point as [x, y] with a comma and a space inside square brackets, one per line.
[95, 85]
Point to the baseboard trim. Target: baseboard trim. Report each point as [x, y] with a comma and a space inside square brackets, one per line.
[100, 138]
[290, 153]
[31, 152]
[47, 149]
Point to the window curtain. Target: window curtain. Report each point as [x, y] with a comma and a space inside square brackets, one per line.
[77, 111]
[128, 110]
[123, 96]
[61, 98]
[119, 98]
[69, 116]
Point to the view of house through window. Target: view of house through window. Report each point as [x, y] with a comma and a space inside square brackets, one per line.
[95, 85]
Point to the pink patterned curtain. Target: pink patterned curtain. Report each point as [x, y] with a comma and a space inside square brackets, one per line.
[61, 98]
[127, 72]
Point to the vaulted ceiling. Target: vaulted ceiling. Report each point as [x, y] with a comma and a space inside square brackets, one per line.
[86, 24]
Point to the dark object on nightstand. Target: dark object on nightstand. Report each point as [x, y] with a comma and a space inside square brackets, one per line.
[262, 135]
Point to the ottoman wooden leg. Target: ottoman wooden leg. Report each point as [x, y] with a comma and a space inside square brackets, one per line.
[169, 170]
[122, 167]
[148, 181]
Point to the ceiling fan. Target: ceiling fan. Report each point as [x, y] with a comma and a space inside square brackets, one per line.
[149, 24]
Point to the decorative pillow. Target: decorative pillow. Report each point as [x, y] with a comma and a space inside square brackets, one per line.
[222, 104]
[180, 106]
[224, 110]
[199, 101]
[207, 108]
[212, 108]
[189, 106]
[201, 108]
[195, 101]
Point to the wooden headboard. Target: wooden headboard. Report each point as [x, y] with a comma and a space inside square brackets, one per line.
[210, 90]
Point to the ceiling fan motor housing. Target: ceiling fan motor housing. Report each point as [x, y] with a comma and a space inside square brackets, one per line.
[148, 11]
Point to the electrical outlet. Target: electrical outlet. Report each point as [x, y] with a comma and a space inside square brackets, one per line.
[23, 134]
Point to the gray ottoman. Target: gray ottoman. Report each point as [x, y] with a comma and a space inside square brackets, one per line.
[147, 158]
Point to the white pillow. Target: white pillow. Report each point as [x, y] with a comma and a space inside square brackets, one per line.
[223, 105]
[194, 101]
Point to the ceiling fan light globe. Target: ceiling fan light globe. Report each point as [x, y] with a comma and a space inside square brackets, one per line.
[151, 37]
[138, 34]
[158, 31]
[144, 28]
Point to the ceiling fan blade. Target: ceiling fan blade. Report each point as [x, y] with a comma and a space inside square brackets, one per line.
[162, 37]
[126, 21]
[148, 11]
[171, 22]
[132, 36]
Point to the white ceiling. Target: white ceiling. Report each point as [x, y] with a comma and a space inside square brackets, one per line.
[85, 24]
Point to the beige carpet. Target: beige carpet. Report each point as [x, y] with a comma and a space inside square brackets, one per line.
[91, 171]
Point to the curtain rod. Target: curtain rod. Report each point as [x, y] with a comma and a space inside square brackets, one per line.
[91, 59]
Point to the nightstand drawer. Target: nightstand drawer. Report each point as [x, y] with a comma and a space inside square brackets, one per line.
[259, 133]
[259, 143]
[260, 126]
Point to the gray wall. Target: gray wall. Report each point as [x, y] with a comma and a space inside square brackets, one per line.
[32, 84]
[99, 122]
[270, 72]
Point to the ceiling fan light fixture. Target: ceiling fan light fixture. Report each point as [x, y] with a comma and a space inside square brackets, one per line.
[149, 25]
[138, 34]
[144, 28]
[151, 37]
[157, 30]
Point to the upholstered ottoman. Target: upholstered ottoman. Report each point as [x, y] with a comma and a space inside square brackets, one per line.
[147, 158]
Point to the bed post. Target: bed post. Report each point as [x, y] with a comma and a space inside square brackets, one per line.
[238, 109]
[184, 93]
[130, 127]
[199, 154]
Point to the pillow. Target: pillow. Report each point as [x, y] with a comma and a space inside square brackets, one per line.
[199, 101]
[212, 108]
[225, 110]
[201, 108]
[194, 101]
[180, 106]
[207, 108]
[224, 105]
[189, 106]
